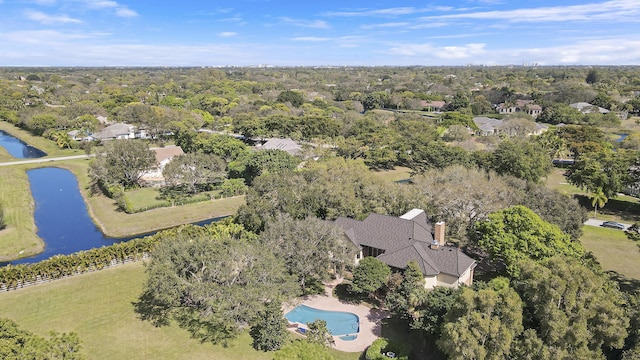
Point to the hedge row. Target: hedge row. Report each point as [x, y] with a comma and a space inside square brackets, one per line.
[60, 266]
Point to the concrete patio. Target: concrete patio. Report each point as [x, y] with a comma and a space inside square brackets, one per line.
[370, 319]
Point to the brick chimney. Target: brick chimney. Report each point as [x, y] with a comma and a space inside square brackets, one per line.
[438, 236]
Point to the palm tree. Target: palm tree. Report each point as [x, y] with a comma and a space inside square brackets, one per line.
[598, 199]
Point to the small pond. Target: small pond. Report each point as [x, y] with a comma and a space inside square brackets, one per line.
[338, 322]
[62, 218]
[621, 137]
[18, 148]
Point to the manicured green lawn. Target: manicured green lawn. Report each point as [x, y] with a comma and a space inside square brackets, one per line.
[19, 238]
[398, 173]
[145, 198]
[613, 250]
[99, 308]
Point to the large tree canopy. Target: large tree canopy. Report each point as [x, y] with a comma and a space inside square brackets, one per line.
[606, 171]
[482, 324]
[517, 233]
[212, 280]
[521, 158]
[122, 162]
[576, 312]
[310, 247]
[194, 171]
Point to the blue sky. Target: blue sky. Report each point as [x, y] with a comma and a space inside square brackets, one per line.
[310, 33]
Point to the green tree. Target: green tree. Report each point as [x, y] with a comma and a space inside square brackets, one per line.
[437, 155]
[598, 199]
[457, 133]
[311, 247]
[224, 146]
[556, 208]
[194, 171]
[482, 324]
[233, 187]
[121, 162]
[212, 281]
[575, 311]
[16, 343]
[269, 330]
[317, 332]
[606, 171]
[369, 276]
[517, 233]
[294, 97]
[303, 350]
[39, 124]
[593, 76]
[521, 158]
[266, 161]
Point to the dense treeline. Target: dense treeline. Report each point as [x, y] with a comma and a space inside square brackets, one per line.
[545, 298]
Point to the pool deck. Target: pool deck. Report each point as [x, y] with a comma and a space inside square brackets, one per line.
[370, 319]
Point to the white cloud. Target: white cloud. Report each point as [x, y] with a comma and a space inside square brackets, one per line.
[45, 2]
[609, 51]
[384, 25]
[316, 24]
[227, 34]
[311, 39]
[614, 10]
[119, 9]
[388, 12]
[46, 37]
[125, 12]
[443, 52]
[49, 19]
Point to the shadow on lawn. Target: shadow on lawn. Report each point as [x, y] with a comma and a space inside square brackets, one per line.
[627, 210]
[626, 284]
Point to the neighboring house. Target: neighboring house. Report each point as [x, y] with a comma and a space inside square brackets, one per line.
[489, 126]
[286, 144]
[587, 108]
[79, 135]
[164, 156]
[433, 106]
[396, 241]
[118, 131]
[526, 106]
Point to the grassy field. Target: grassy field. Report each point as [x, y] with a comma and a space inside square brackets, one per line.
[623, 208]
[99, 308]
[398, 173]
[19, 238]
[613, 250]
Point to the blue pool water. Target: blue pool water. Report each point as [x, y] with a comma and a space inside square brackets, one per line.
[338, 322]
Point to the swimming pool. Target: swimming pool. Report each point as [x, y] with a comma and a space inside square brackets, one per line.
[338, 322]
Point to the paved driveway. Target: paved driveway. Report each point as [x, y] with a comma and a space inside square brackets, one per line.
[596, 222]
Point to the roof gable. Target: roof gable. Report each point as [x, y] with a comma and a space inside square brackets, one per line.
[404, 240]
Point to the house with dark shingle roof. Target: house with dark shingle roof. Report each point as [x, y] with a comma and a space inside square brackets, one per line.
[396, 241]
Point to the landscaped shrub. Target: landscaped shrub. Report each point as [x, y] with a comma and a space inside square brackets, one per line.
[379, 348]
